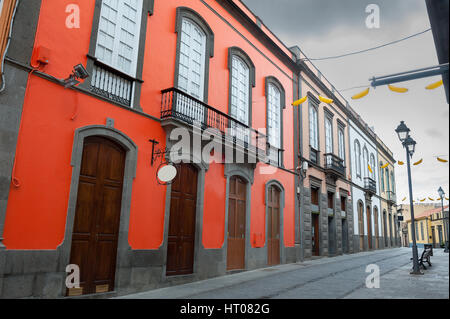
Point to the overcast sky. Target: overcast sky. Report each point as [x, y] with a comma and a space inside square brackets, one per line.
[324, 28]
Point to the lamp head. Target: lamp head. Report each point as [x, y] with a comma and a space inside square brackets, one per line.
[441, 192]
[402, 131]
[410, 145]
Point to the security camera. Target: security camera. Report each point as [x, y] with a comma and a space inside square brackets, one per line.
[80, 72]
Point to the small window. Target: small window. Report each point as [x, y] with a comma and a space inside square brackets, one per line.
[330, 200]
[314, 196]
[343, 203]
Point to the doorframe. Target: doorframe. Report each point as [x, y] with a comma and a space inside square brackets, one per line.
[247, 174]
[202, 168]
[131, 150]
[280, 187]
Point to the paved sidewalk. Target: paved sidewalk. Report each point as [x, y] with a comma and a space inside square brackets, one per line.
[336, 277]
[399, 284]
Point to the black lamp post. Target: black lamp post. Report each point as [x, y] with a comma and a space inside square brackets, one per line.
[444, 218]
[409, 144]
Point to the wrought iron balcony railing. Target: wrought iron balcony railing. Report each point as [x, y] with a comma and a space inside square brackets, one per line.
[111, 84]
[179, 105]
[334, 165]
[370, 185]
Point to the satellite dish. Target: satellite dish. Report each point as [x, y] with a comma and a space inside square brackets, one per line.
[167, 173]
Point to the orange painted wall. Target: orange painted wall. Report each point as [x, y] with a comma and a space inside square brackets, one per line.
[37, 210]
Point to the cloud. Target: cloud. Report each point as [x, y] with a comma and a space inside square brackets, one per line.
[434, 133]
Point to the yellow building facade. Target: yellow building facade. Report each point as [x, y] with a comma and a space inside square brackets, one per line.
[388, 197]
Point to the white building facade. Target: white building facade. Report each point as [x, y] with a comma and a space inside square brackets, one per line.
[365, 188]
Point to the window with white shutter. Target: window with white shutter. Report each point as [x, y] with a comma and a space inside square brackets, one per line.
[191, 74]
[274, 116]
[341, 145]
[116, 50]
[313, 128]
[118, 34]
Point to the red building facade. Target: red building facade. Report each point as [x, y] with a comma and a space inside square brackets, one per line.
[83, 186]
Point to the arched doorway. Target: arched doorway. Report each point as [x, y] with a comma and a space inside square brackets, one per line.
[237, 206]
[385, 229]
[181, 236]
[377, 234]
[369, 227]
[361, 225]
[273, 226]
[97, 215]
[390, 229]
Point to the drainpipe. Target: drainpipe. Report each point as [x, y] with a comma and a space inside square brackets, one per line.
[6, 50]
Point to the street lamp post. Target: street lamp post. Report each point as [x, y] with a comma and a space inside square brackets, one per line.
[409, 144]
[441, 195]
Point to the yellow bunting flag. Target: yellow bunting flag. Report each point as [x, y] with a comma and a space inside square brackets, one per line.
[325, 100]
[446, 198]
[400, 163]
[434, 85]
[385, 165]
[403, 199]
[397, 89]
[370, 168]
[442, 160]
[301, 101]
[361, 94]
[430, 199]
[422, 200]
[419, 162]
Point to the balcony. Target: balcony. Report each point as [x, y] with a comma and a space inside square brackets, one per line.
[111, 84]
[334, 166]
[391, 198]
[370, 186]
[179, 106]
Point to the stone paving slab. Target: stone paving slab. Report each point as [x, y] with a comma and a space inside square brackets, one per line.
[400, 284]
[344, 273]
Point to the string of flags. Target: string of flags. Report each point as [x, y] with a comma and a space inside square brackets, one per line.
[424, 199]
[397, 89]
[438, 158]
[364, 93]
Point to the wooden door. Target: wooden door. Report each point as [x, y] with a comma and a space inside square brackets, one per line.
[361, 226]
[315, 234]
[183, 204]
[376, 225]
[369, 227]
[97, 215]
[237, 203]
[273, 226]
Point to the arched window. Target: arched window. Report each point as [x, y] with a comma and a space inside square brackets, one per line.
[275, 98]
[195, 46]
[366, 162]
[242, 80]
[382, 177]
[358, 158]
[373, 166]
